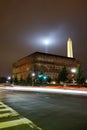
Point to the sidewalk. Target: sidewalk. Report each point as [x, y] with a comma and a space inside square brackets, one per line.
[11, 120]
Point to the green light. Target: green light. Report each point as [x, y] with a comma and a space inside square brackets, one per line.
[44, 77]
[40, 76]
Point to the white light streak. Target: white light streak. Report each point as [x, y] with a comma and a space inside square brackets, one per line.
[48, 90]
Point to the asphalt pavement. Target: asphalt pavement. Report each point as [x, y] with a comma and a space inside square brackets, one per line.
[50, 111]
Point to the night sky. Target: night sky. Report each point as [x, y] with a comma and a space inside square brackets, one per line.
[25, 24]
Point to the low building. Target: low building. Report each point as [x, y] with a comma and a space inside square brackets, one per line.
[49, 64]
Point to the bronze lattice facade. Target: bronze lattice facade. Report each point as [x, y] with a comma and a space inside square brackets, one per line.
[49, 64]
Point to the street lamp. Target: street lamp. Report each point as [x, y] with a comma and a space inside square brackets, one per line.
[33, 78]
[33, 74]
[8, 79]
[73, 70]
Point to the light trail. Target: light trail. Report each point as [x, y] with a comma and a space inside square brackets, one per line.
[47, 90]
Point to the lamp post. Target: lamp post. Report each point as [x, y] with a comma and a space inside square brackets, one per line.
[33, 78]
[8, 79]
[73, 70]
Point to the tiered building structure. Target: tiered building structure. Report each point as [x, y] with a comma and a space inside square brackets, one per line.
[49, 64]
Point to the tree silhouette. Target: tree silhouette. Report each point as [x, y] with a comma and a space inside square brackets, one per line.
[29, 79]
[16, 80]
[80, 76]
[63, 75]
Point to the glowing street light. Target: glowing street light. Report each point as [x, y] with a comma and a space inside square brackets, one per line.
[33, 74]
[9, 77]
[73, 70]
[33, 78]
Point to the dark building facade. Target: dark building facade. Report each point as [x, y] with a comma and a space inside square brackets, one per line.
[49, 64]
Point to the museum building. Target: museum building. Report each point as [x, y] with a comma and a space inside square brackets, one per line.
[49, 64]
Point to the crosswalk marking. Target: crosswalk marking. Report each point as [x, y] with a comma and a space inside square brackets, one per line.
[10, 118]
[8, 115]
[3, 110]
[10, 111]
[15, 123]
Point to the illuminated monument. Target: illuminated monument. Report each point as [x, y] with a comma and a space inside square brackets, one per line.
[69, 48]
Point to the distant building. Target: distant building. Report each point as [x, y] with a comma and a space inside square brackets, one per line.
[49, 64]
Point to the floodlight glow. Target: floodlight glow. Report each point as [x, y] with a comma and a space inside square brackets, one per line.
[46, 41]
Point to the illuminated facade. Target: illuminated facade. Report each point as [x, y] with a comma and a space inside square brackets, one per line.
[69, 48]
[49, 64]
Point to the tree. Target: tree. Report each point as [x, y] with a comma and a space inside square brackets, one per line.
[43, 78]
[48, 79]
[29, 79]
[2, 79]
[40, 77]
[63, 75]
[21, 81]
[11, 80]
[16, 80]
[80, 76]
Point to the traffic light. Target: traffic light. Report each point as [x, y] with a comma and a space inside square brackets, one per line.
[40, 76]
[44, 77]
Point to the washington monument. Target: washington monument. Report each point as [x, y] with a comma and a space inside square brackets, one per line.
[69, 48]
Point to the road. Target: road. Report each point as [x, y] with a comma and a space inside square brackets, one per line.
[50, 111]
